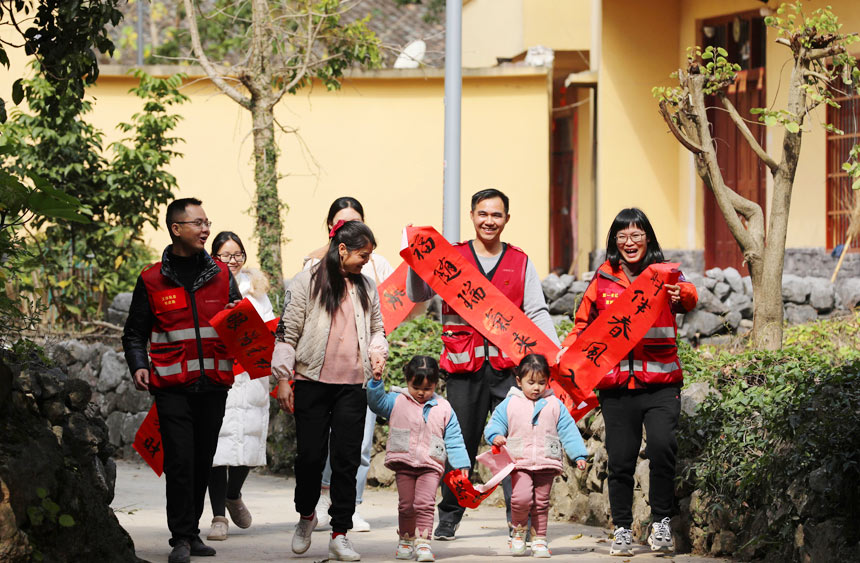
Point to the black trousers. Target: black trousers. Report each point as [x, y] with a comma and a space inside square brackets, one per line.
[329, 421]
[225, 482]
[624, 413]
[473, 396]
[189, 425]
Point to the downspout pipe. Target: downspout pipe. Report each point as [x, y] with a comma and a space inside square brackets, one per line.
[453, 95]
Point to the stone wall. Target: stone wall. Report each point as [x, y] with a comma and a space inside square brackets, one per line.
[57, 474]
[725, 304]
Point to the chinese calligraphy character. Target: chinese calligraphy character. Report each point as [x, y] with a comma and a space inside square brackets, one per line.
[235, 320]
[570, 376]
[621, 327]
[152, 445]
[446, 270]
[262, 363]
[642, 307]
[496, 321]
[393, 297]
[524, 344]
[658, 284]
[422, 245]
[255, 350]
[471, 296]
[247, 338]
[636, 295]
[593, 352]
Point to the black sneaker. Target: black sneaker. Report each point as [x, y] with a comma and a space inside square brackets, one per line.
[199, 548]
[181, 552]
[445, 531]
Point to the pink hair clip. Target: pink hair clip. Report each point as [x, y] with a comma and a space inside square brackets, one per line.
[334, 229]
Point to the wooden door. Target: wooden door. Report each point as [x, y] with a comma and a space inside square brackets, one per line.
[562, 195]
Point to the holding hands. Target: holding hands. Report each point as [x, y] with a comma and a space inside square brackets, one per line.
[377, 364]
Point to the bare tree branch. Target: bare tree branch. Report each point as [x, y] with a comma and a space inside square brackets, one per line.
[747, 134]
[815, 54]
[817, 75]
[673, 127]
[783, 41]
[212, 71]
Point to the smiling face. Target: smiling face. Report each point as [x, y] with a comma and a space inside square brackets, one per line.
[489, 218]
[533, 384]
[352, 261]
[422, 392]
[632, 243]
[231, 254]
[188, 238]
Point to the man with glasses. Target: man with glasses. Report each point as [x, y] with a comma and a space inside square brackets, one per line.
[187, 370]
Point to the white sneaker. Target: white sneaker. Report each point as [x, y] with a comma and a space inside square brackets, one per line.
[405, 549]
[518, 542]
[540, 548]
[323, 519]
[340, 549]
[423, 551]
[302, 535]
[622, 545]
[359, 524]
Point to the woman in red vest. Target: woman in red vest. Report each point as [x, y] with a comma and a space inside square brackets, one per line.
[644, 388]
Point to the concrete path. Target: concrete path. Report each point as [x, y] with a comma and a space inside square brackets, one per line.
[139, 505]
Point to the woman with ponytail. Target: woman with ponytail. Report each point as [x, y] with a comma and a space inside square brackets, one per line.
[330, 342]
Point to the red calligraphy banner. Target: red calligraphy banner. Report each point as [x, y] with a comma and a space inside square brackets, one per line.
[147, 441]
[393, 302]
[616, 331]
[248, 339]
[606, 341]
[467, 495]
[472, 295]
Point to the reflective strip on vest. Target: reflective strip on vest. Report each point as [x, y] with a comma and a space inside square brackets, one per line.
[653, 367]
[182, 334]
[463, 357]
[194, 365]
[660, 332]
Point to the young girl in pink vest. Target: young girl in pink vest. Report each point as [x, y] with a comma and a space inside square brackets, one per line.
[533, 425]
[423, 433]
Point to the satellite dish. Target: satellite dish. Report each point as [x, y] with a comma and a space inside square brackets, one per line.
[412, 55]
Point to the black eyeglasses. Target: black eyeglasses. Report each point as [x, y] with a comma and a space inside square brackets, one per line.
[239, 257]
[199, 223]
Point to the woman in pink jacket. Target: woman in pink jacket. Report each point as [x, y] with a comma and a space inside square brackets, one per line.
[423, 433]
[534, 425]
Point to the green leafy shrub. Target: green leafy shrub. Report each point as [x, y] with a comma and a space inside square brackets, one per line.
[778, 446]
[418, 336]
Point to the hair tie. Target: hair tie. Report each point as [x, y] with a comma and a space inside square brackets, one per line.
[334, 229]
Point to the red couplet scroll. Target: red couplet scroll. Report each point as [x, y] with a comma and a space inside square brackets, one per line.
[600, 347]
[616, 331]
[472, 295]
[147, 441]
[248, 339]
[467, 495]
[393, 302]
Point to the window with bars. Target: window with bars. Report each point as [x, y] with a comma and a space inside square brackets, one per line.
[840, 196]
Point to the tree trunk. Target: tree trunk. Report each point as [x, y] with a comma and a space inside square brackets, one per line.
[268, 229]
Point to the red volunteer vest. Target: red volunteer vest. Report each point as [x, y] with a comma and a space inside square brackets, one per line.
[180, 350]
[654, 359]
[465, 347]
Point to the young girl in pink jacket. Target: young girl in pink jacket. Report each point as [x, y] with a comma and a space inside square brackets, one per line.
[423, 433]
[533, 425]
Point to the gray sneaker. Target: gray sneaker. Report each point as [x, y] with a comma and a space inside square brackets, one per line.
[622, 545]
[660, 538]
[302, 535]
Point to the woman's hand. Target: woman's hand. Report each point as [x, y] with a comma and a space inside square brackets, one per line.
[559, 355]
[580, 464]
[377, 365]
[674, 293]
[232, 304]
[286, 398]
[500, 441]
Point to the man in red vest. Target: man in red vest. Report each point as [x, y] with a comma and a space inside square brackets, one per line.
[479, 374]
[187, 370]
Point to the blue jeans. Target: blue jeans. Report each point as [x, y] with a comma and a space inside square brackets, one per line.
[364, 467]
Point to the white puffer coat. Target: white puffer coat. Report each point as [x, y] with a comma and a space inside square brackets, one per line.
[242, 440]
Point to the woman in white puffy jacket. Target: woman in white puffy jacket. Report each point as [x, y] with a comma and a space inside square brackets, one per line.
[242, 440]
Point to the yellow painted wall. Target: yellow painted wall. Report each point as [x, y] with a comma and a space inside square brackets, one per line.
[636, 163]
[491, 28]
[564, 25]
[378, 139]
